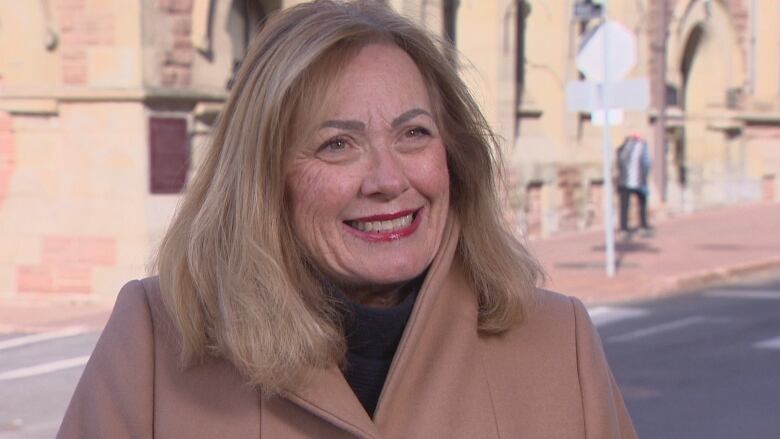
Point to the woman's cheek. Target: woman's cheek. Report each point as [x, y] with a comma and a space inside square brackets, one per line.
[319, 192]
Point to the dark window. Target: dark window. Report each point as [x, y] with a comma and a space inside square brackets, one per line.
[450, 19]
[450, 13]
[672, 95]
[243, 22]
[521, 14]
[521, 11]
[169, 155]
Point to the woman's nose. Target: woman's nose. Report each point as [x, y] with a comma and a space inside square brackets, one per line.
[386, 178]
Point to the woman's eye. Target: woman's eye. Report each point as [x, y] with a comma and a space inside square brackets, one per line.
[334, 145]
[417, 132]
[337, 149]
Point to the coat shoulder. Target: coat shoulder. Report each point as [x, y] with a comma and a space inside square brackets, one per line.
[550, 300]
[114, 397]
[148, 290]
[139, 297]
[552, 309]
[151, 289]
[556, 360]
[549, 329]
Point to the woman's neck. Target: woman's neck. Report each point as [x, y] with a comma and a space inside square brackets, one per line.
[381, 296]
[377, 297]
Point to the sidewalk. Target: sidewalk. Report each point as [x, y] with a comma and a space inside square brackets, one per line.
[686, 252]
[43, 313]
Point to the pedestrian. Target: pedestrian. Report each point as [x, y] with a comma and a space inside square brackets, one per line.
[340, 266]
[633, 160]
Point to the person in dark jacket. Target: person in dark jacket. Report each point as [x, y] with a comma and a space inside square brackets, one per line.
[633, 159]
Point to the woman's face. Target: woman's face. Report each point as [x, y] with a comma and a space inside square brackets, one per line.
[369, 185]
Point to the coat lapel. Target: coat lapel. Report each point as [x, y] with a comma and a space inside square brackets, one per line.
[329, 396]
[436, 386]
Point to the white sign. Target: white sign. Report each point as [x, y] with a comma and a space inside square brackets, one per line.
[620, 45]
[628, 94]
[614, 117]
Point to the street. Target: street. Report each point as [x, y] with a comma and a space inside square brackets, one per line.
[37, 376]
[699, 365]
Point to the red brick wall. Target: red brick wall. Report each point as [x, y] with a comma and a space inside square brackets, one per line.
[570, 188]
[533, 210]
[768, 136]
[176, 63]
[80, 28]
[595, 207]
[66, 264]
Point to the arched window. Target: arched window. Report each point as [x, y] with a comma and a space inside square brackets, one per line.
[689, 52]
[243, 22]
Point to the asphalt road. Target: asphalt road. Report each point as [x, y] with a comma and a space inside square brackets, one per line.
[700, 365]
[37, 378]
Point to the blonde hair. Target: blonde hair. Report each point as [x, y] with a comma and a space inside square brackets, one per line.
[233, 278]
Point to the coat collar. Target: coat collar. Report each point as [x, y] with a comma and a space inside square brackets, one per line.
[434, 366]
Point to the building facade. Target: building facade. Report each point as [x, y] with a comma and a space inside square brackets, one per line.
[106, 105]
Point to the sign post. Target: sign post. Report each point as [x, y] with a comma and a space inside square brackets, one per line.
[605, 58]
[606, 150]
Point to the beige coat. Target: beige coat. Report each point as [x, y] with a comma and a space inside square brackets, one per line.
[547, 378]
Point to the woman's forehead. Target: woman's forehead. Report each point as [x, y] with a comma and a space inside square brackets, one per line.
[381, 81]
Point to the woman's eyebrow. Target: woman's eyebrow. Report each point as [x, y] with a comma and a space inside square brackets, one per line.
[356, 125]
[353, 125]
[411, 114]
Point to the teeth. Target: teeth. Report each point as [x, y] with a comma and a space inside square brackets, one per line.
[383, 226]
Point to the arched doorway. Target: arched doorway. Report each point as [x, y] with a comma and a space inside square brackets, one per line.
[243, 21]
[710, 77]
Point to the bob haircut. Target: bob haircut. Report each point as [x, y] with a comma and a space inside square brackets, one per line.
[234, 279]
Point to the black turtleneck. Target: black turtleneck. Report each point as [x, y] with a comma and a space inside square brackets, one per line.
[372, 337]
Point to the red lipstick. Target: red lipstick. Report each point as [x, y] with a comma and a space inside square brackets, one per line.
[377, 236]
[385, 217]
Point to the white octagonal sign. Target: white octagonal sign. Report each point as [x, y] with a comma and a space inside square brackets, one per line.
[620, 51]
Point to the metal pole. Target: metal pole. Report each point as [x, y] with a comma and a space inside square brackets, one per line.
[660, 90]
[609, 229]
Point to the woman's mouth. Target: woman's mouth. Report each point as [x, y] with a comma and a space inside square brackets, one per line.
[385, 227]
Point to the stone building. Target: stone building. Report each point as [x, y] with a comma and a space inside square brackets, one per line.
[716, 68]
[106, 104]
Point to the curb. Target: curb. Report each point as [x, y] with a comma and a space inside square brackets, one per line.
[692, 282]
[704, 278]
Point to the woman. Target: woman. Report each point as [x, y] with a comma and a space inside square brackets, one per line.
[339, 266]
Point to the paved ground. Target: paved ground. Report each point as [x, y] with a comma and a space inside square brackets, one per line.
[700, 365]
[37, 378]
[44, 313]
[685, 253]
